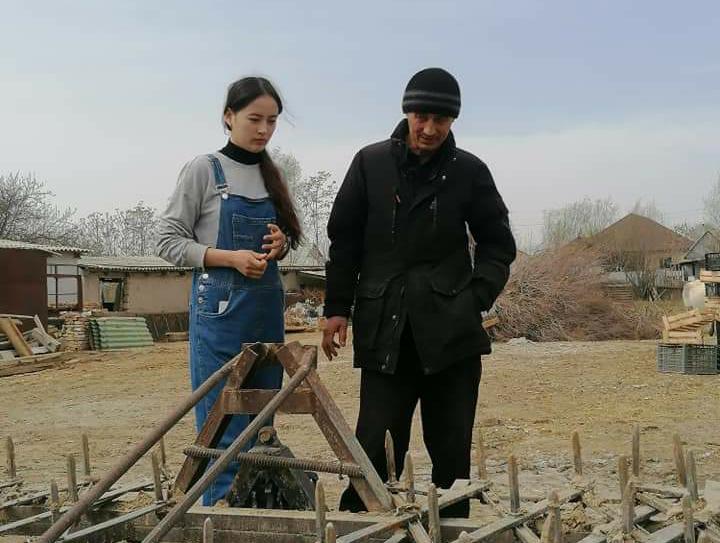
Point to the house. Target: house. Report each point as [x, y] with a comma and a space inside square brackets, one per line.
[303, 268]
[135, 284]
[640, 255]
[694, 260]
[39, 279]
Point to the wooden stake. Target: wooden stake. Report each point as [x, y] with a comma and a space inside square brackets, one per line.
[679, 454]
[636, 451]
[10, 451]
[409, 478]
[577, 453]
[54, 501]
[330, 534]
[463, 537]
[480, 456]
[72, 478]
[208, 533]
[628, 508]
[163, 454]
[546, 534]
[390, 457]
[688, 518]
[157, 481]
[87, 469]
[434, 515]
[691, 475]
[513, 484]
[320, 511]
[557, 520]
[623, 474]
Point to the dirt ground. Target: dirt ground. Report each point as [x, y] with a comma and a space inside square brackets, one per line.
[532, 397]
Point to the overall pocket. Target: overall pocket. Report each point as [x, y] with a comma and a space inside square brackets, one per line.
[248, 232]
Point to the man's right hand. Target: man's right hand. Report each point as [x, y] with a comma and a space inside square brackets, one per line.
[333, 326]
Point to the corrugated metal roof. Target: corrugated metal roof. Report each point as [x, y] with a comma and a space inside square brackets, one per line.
[129, 264]
[12, 244]
[305, 257]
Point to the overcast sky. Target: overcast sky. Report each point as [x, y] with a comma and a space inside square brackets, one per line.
[105, 101]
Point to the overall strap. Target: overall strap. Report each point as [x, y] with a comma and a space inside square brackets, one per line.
[220, 182]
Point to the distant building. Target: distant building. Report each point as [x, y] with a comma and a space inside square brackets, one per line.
[39, 279]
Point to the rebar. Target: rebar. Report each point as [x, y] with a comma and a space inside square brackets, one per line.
[267, 461]
[119, 469]
[307, 363]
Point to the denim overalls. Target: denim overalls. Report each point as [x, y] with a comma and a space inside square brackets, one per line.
[228, 309]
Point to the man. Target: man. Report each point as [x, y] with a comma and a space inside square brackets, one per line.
[399, 250]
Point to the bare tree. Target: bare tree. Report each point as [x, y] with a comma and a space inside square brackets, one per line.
[289, 168]
[123, 232]
[712, 205]
[648, 209]
[315, 195]
[689, 230]
[579, 219]
[27, 213]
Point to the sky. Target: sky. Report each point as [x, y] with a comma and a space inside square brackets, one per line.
[105, 101]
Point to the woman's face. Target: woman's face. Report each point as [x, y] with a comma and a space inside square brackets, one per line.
[252, 127]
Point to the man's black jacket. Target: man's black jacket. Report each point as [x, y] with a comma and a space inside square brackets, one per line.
[399, 250]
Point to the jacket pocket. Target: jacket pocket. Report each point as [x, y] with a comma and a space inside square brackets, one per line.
[367, 314]
[455, 307]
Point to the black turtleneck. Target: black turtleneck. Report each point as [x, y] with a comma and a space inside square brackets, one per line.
[238, 154]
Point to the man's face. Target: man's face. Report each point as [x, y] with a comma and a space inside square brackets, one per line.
[428, 131]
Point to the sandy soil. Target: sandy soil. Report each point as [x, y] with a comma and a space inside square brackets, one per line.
[533, 396]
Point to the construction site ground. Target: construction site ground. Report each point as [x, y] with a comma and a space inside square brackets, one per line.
[532, 397]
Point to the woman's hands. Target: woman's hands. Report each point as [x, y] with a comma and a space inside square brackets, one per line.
[275, 242]
[250, 263]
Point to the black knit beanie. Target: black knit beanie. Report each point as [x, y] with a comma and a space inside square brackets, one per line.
[432, 90]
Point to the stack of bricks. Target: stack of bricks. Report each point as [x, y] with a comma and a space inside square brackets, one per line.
[75, 334]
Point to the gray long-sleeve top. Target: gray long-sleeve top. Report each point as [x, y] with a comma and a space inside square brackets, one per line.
[189, 225]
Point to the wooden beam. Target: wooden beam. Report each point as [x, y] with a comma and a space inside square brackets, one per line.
[511, 522]
[338, 433]
[252, 401]
[15, 337]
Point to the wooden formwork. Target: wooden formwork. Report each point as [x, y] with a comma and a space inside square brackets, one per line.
[402, 508]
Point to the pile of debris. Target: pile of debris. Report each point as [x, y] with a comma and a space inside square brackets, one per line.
[16, 344]
[303, 317]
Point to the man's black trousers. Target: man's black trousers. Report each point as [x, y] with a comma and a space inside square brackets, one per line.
[447, 405]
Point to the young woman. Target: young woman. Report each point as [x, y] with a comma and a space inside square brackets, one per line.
[231, 218]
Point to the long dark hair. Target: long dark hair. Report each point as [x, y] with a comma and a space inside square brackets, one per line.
[241, 93]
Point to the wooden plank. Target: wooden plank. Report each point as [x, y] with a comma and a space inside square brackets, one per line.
[662, 491]
[682, 316]
[526, 535]
[27, 363]
[241, 524]
[249, 401]
[669, 534]
[112, 523]
[510, 522]
[400, 521]
[339, 435]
